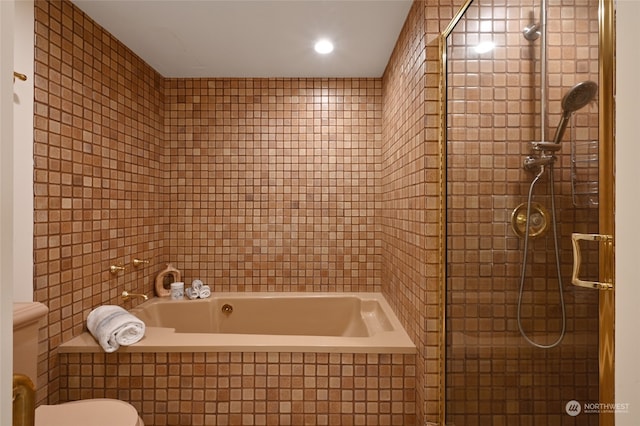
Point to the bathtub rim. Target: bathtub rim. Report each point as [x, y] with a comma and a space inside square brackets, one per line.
[158, 339]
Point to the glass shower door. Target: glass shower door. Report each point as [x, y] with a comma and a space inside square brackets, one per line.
[494, 102]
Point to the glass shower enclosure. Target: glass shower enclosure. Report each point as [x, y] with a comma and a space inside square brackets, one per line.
[522, 342]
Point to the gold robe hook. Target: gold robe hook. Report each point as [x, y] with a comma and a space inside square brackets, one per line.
[19, 76]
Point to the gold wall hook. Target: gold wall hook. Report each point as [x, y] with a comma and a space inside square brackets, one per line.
[19, 76]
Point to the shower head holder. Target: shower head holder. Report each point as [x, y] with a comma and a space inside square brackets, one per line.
[531, 32]
[534, 163]
[545, 146]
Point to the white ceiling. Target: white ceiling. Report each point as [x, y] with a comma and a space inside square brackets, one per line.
[255, 38]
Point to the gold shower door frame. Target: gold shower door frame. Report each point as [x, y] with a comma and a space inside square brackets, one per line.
[606, 117]
[606, 308]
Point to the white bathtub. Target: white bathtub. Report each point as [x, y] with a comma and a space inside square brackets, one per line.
[266, 322]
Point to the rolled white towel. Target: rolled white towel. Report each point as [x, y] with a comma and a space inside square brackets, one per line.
[205, 292]
[112, 326]
[196, 285]
[192, 294]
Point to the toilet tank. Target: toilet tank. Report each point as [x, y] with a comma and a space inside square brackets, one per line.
[26, 325]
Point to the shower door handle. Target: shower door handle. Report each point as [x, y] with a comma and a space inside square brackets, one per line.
[606, 262]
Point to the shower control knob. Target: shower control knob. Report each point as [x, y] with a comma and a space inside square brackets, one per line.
[536, 224]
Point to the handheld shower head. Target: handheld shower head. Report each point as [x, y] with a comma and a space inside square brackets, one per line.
[579, 96]
[576, 98]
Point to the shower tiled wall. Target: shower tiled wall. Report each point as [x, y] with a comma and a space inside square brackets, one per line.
[493, 375]
[273, 182]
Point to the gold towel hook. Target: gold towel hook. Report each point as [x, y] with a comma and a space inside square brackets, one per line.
[19, 76]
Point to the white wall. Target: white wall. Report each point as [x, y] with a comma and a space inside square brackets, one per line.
[6, 209]
[627, 239]
[16, 180]
[23, 151]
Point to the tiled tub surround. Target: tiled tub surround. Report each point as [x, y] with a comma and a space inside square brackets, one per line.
[234, 388]
[359, 369]
[247, 184]
[409, 184]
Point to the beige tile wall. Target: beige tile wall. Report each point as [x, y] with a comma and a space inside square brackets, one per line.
[402, 187]
[247, 184]
[97, 153]
[409, 187]
[273, 182]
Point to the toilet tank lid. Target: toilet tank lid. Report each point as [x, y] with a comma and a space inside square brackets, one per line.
[26, 313]
[101, 411]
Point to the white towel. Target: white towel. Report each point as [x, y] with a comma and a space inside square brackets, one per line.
[191, 293]
[196, 285]
[205, 292]
[113, 326]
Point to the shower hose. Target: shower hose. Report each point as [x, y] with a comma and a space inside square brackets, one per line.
[557, 253]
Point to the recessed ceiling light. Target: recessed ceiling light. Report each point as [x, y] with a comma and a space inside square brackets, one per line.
[323, 46]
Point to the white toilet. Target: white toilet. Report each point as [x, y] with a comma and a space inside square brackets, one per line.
[86, 412]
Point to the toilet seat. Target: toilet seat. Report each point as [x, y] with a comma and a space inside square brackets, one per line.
[88, 412]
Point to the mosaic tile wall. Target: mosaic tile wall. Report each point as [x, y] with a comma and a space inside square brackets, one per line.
[97, 153]
[493, 375]
[260, 388]
[409, 187]
[302, 158]
[273, 182]
[403, 187]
